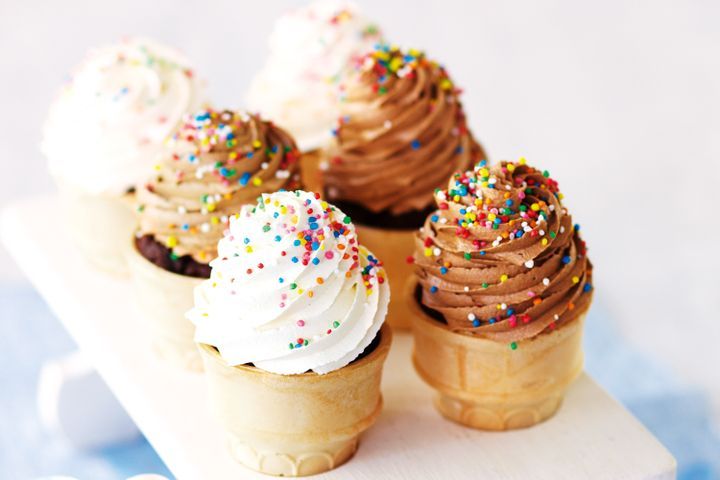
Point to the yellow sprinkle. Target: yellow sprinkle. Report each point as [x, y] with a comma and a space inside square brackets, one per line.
[446, 84]
[211, 207]
[511, 167]
[283, 210]
[300, 291]
[484, 172]
[294, 219]
[491, 216]
[232, 155]
[257, 181]
[324, 204]
[544, 241]
[257, 144]
[428, 252]
[158, 167]
[503, 278]
[575, 279]
[214, 220]
[248, 249]
[522, 161]
[534, 207]
[172, 242]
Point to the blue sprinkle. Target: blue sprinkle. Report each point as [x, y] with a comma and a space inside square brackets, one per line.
[244, 179]
[315, 245]
[482, 163]
[566, 259]
[276, 215]
[510, 311]
[312, 219]
[476, 323]
[313, 226]
[459, 150]
[587, 287]
[246, 240]
[519, 234]
[508, 202]
[491, 320]
[315, 261]
[281, 280]
[576, 227]
[249, 154]
[434, 218]
[274, 148]
[296, 243]
[443, 270]
[278, 238]
[230, 136]
[415, 144]
[186, 226]
[482, 252]
[294, 259]
[433, 289]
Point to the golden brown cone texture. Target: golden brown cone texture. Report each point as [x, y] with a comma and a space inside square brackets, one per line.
[487, 385]
[163, 298]
[295, 425]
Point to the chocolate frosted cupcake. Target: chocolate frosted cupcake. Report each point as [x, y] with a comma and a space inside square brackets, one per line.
[504, 283]
[402, 133]
[215, 163]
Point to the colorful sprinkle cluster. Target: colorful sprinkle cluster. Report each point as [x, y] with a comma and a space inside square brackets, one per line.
[320, 233]
[507, 217]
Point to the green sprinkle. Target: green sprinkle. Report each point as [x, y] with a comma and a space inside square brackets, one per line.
[485, 285]
[291, 346]
[266, 228]
[336, 324]
[346, 220]
[467, 256]
[553, 235]
[293, 286]
[173, 256]
[546, 174]
[513, 346]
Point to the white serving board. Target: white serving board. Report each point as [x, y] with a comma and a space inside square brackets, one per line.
[591, 437]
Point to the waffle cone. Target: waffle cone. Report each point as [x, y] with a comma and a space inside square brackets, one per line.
[392, 247]
[98, 225]
[295, 425]
[310, 172]
[163, 297]
[487, 385]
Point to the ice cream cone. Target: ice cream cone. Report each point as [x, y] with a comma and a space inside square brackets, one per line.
[295, 425]
[310, 172]
[163, 297]
[487, 385]
[99, 225]
[393, 247]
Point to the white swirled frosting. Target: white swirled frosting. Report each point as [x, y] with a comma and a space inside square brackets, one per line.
[291, 290]
[107, 126]
[309, 49]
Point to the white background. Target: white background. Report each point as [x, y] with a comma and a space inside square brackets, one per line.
[620, 100]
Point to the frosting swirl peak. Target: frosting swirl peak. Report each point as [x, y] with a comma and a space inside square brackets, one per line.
[500, 258]
[108, 124]
[216, 162]
[291, 289]
[402, 133]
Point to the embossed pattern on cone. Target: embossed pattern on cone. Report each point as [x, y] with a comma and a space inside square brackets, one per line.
[392, 247]
[162, 298]
[295, 425]
[487, 385]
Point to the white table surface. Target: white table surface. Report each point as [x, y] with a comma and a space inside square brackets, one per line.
[592, 436]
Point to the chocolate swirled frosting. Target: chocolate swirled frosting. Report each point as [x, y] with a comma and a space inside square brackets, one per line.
[501, 258]
[216, 162]
[402, 133]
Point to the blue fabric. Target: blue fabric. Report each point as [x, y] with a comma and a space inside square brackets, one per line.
[29, 335]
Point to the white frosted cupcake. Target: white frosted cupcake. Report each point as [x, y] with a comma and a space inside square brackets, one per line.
[310, 47]
[104, 132]
[291, 316]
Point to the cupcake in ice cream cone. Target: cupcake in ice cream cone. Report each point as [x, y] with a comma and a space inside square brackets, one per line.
[503, 285]
[401, 135]
[216, 162]
[310, 47]
[290, 331]
[104, 131]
